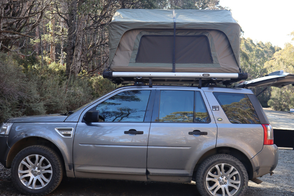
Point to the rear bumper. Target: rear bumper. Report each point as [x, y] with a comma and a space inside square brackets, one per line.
[3, 149]
[265, 161]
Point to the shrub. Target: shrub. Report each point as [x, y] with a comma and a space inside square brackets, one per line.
[282, 99]
[18, 95]
[27, 89]
[59, 94]
[101, 86]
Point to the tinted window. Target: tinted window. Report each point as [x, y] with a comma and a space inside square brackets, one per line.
[178, 106]
[238, 108]
[188, 49]
[127, 106]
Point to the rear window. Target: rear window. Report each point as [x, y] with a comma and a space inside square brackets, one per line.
[238, 108]
[188, 49]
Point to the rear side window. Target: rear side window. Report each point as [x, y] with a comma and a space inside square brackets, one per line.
[182, 106]
[238, 108]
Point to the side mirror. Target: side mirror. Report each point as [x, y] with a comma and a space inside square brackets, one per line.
[91, 116]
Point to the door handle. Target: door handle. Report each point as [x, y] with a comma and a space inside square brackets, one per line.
[197, 132]
[133, 131]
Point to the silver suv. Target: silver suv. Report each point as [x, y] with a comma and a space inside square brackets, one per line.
[218, 137]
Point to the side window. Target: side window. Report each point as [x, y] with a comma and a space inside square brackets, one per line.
[178, 106]
[238, 108]
[127, 106]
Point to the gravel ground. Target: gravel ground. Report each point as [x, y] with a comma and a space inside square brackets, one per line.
[281, 183]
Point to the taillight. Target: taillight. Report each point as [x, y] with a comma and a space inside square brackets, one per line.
[268, 134]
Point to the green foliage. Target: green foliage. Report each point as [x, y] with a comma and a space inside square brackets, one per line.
[32, 90]
[18, 95]
[282, 60]
[282, 99]
[57, 67]
[252, 58]
[101, 86]
[59, 94]
[24, 61]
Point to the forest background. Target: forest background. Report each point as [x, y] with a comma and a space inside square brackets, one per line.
[53, 51]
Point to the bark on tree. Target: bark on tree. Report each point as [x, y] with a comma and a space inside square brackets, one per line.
[71, 36]
[52, 35]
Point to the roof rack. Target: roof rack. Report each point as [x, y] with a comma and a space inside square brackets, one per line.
[202, 79]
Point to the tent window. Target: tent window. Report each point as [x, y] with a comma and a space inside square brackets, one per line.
[159, 49]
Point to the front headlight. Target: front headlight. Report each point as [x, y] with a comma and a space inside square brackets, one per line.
[5, 128]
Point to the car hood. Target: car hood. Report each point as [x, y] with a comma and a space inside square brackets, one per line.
[43, 118]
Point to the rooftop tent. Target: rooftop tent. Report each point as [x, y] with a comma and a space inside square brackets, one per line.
[144, 40]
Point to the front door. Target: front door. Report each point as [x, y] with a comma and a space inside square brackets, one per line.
[117, 144]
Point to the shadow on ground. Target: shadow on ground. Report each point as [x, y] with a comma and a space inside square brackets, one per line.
[123, 188]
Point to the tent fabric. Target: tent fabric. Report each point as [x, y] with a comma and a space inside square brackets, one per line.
[220, 51]
[129, 27]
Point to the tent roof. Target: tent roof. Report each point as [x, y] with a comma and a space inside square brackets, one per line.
[128, 19]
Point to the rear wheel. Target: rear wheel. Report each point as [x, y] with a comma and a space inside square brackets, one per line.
[222, 175]
[36, 170]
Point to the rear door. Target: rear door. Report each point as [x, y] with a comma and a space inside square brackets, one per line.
[181, 130]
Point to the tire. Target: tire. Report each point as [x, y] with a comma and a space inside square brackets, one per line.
[221, 174]
[27, 175]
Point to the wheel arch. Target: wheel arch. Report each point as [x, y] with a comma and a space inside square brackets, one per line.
[227, 150]
[30, 141]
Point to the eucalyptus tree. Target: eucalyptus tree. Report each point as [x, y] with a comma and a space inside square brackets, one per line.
[253, 56]
[282, 98]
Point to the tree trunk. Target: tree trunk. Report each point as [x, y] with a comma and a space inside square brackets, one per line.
[77, 57]
[61, 41]
[52, 42]
[71, 36]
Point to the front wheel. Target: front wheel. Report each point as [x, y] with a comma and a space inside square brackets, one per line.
[36, 170]
[222, 175]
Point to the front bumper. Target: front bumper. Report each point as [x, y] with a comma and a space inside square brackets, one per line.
[3, 149]
[265, 161]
